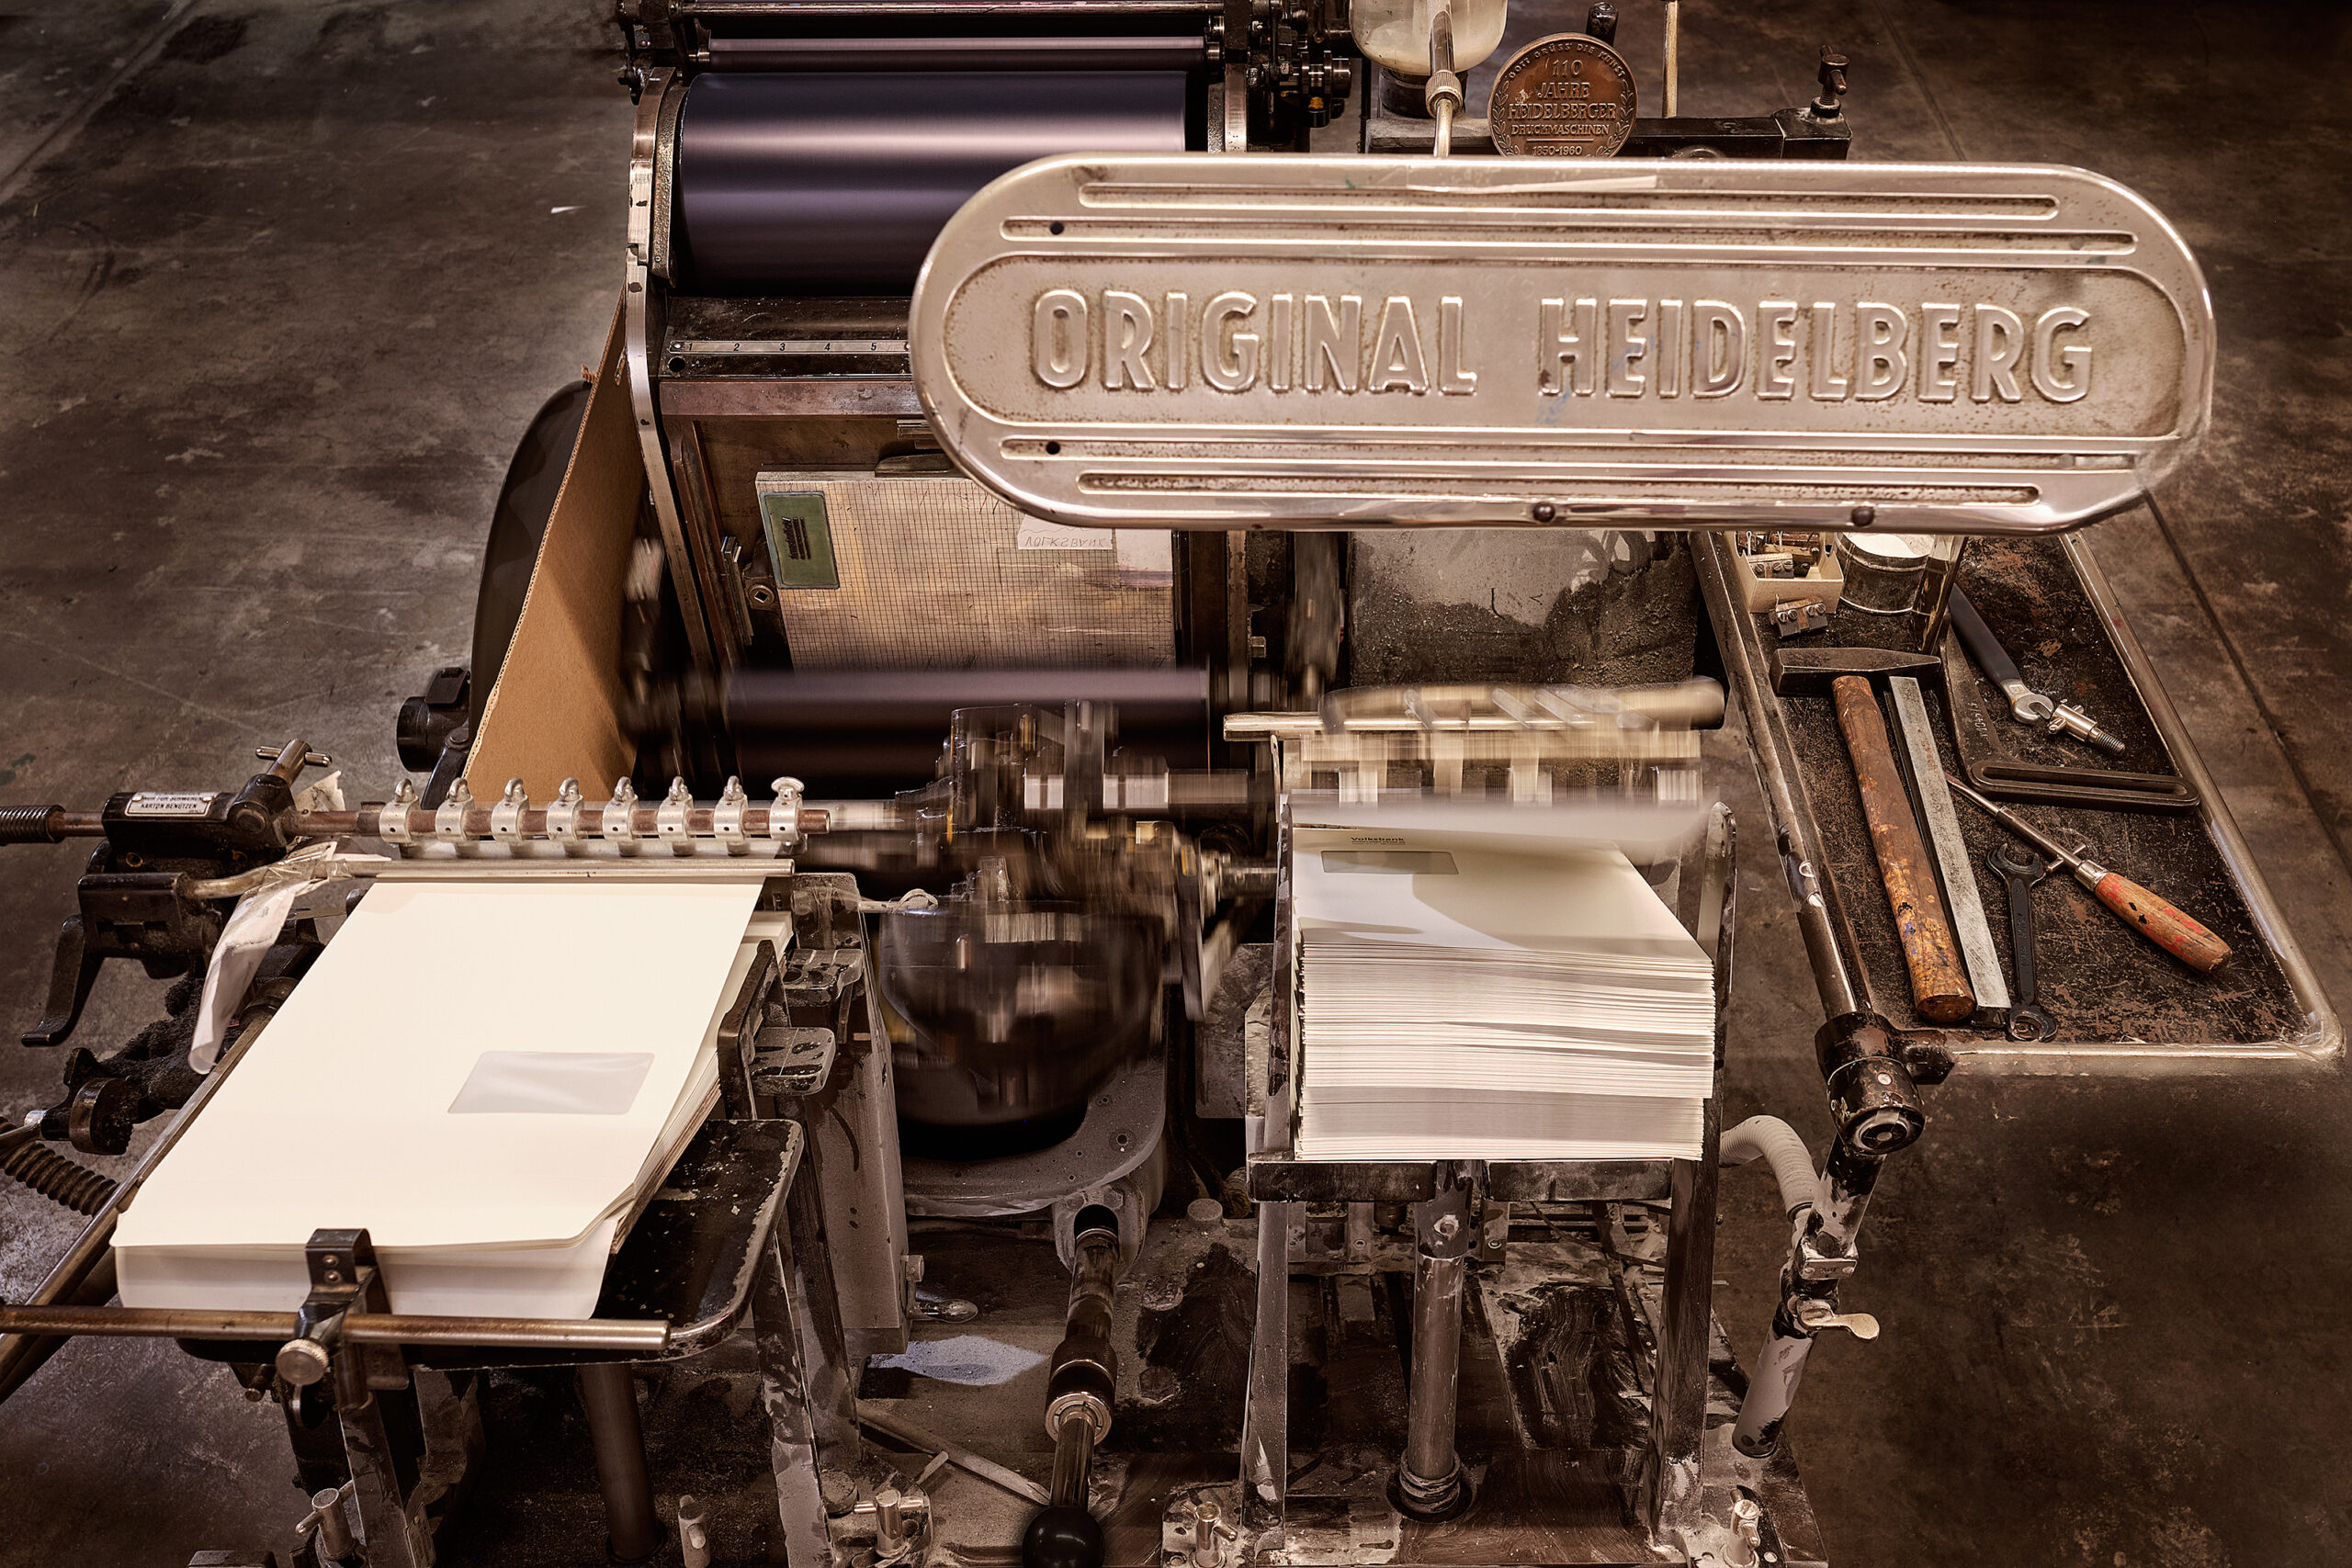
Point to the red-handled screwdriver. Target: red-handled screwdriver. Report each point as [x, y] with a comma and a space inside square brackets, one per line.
[2152, 917]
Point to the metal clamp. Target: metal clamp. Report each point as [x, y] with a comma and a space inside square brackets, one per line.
[449, 818]
[669, 819]
[784, 815]
[506, 817]
[1815, 1259]
[619, 827]
[563, 817]
[391, 825]
[726, 817]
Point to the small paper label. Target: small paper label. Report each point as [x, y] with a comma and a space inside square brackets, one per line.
[1036, 534]
[170, 803]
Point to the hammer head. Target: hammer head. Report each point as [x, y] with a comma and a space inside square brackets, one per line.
[1807, 671]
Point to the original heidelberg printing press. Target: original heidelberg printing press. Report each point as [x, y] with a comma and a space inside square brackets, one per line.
[1018, 446]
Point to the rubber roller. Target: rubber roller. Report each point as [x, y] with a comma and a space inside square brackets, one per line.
[836, 184]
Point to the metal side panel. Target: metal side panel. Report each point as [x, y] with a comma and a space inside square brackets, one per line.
[1292, 341]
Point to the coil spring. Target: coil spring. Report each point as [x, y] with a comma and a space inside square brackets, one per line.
[57, 1179]
[29, 824]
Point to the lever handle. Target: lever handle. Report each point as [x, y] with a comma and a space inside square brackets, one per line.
[1819, 1314]
[1983, 646]
[2159, 921]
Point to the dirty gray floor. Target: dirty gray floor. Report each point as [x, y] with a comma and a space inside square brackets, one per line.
[283, 280]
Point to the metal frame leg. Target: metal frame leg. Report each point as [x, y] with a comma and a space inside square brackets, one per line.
[1685, 1334]
[396, 1537]
[1265, 1420]
[609, 1391]
[1428, 1474]
[831, 1370]
[781, 1325]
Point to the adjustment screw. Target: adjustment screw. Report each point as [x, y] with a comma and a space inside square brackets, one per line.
[1543, 512]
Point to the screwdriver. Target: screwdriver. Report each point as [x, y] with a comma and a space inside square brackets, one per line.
[2153, 918]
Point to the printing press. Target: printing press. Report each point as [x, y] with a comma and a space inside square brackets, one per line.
[1075, 487]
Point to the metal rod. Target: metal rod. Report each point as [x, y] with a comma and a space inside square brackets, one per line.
[608, 1390]
[1940, 989]
[1170, 51]
[751, 10]
[647, 1337]
[1428, 1474]
[1073, 1463]
[1673, 57]
[1959, 875]
[336, 1544]
[899, 1429]
[1430, 1471]
[1820, 920]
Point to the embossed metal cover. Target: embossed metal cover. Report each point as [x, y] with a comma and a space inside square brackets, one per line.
[1204, 340]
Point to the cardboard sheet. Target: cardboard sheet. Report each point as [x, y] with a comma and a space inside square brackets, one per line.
[552, 713]
[346, 1112]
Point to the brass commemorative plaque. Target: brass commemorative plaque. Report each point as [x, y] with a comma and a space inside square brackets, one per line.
[1566, 97]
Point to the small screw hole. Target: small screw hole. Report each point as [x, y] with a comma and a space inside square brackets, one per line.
[1054, 227]
[1053, 448]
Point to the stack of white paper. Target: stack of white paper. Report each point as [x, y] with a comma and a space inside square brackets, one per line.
[1461, 997]
[486, 1077]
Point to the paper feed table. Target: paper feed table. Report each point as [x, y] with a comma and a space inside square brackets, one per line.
[488, 1078]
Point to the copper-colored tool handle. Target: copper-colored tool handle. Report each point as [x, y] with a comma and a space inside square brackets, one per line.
[2163, 924]
[1940, 989]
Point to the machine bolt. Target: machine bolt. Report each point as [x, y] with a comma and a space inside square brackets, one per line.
[1543, 512]
[302, 1361]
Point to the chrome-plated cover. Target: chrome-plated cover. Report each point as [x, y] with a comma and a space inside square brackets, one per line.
[1212, 341]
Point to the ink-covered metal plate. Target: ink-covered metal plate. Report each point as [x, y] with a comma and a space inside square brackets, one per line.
[1565, 97]
[1224, 341]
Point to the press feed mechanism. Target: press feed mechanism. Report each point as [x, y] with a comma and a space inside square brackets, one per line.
[1075, 848]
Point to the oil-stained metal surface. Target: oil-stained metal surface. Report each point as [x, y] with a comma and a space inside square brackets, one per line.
[1210, 342]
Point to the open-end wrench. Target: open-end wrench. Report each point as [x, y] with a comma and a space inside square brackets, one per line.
[2026, 704]
[2023, 871]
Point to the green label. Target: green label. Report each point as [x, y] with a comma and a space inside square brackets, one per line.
[800, 541]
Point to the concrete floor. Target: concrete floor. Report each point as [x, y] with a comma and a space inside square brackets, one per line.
[284, 279]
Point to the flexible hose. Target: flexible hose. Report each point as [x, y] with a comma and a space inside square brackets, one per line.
[1774, 1140]
[55, 1178]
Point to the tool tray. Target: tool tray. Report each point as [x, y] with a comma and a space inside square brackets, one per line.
[2120, 1002]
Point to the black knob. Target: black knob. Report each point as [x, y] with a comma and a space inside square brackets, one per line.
[1833, 84]
[1062, 1536]
[1600, 22]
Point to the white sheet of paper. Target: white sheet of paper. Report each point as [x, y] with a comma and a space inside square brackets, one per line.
[1648, 831]
[340, 1115]
[1462, 994]
[1543, 898]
